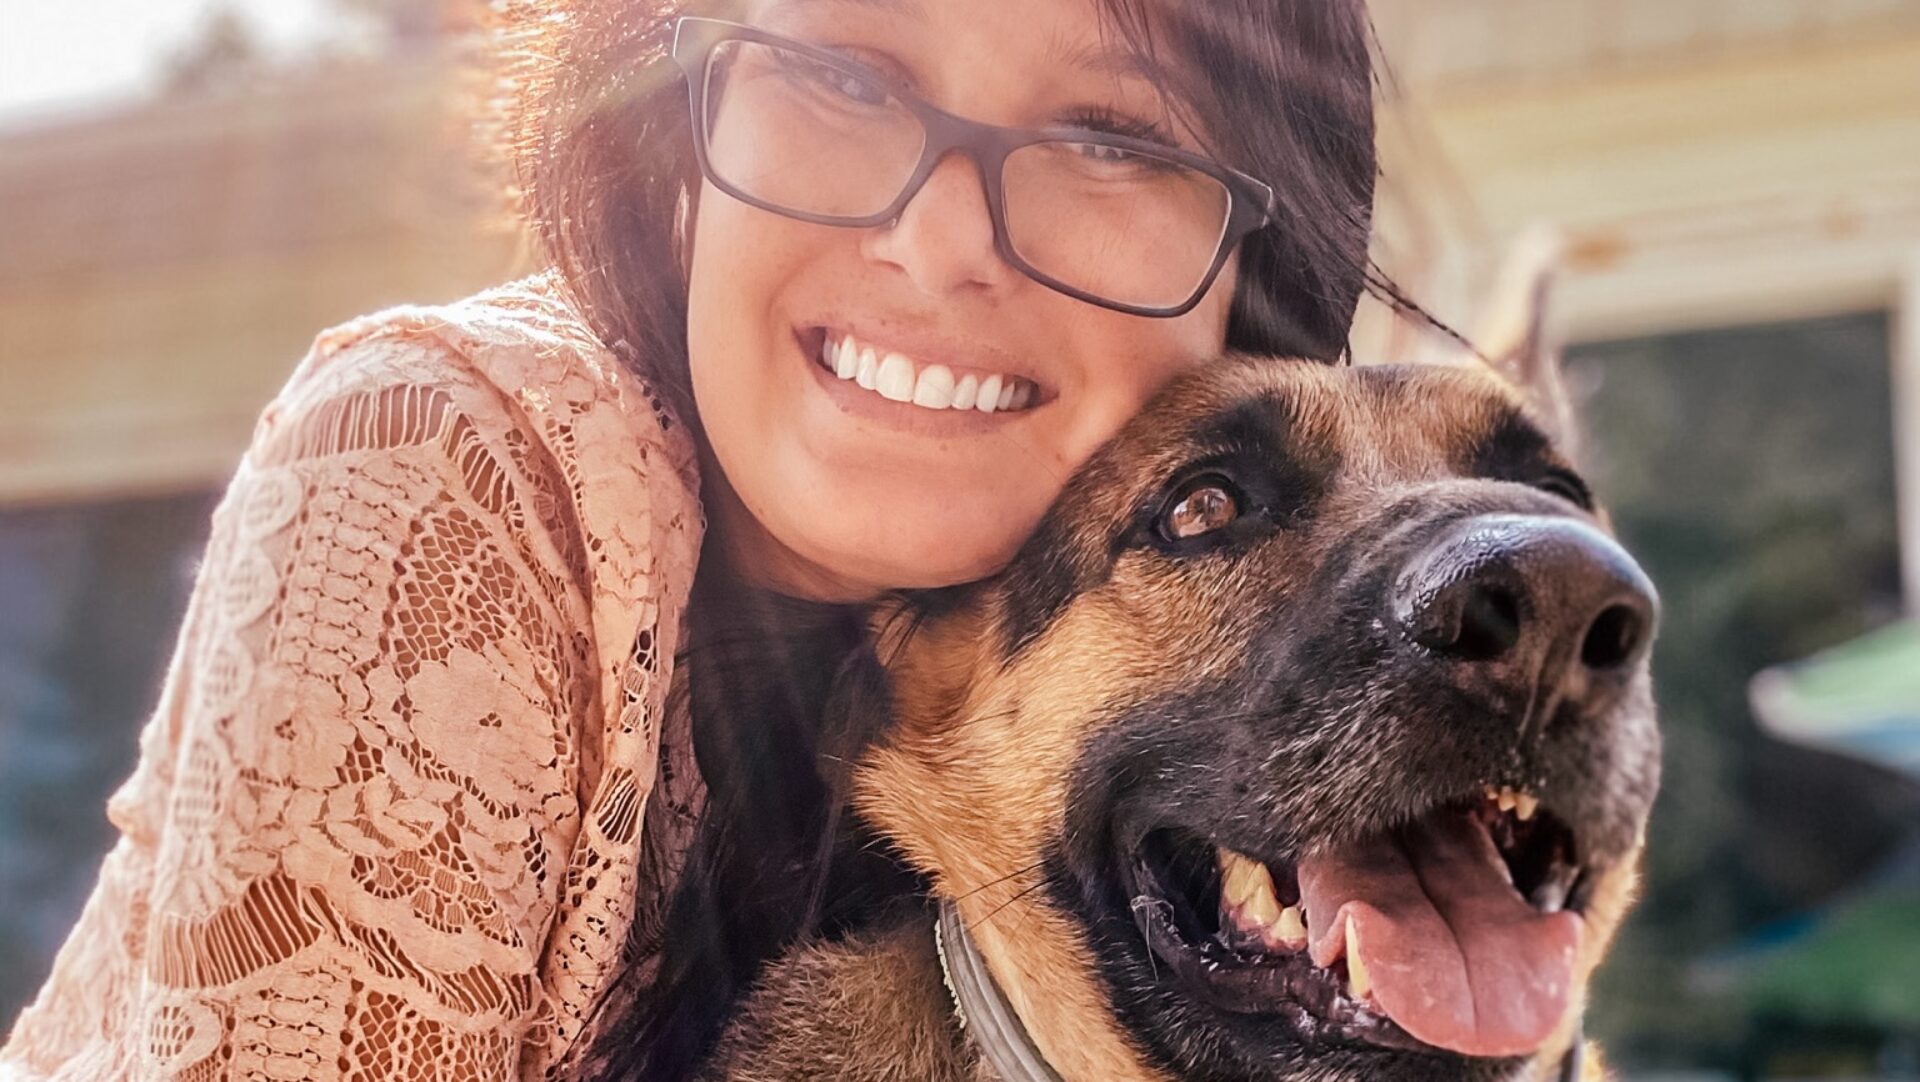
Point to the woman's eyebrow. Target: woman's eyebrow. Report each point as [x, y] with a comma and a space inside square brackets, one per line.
[1109, 59]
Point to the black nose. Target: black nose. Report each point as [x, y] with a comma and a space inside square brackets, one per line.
[1530, 603]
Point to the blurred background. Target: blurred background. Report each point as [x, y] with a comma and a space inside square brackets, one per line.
[190, 189]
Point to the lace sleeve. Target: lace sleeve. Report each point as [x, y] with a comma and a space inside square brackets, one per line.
[349, 837]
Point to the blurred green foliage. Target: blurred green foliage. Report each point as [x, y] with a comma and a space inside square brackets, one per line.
[1751, 470]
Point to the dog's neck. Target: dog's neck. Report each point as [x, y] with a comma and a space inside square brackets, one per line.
[983, 1010]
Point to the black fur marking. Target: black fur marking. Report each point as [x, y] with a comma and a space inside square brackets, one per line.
[1288, 477]
[1048, 573]
[1517, 450]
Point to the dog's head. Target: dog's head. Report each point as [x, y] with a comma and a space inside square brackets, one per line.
[1311, 737]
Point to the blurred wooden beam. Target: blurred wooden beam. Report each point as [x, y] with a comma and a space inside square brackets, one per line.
[166, 265]
[1906, 429]
[1768, 185]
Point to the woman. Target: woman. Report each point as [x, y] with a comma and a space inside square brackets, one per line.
[869, 276]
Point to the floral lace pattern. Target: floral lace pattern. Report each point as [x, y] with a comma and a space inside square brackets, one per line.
[388, 818]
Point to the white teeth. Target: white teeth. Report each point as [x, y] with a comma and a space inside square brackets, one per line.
[965, 395]
[895, 380]
[1359, 983]
[989, 399]
[934, 389]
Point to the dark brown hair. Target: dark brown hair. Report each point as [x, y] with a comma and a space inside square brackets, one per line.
[1281, 89]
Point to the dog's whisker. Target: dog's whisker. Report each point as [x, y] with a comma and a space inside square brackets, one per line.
[1010, 876]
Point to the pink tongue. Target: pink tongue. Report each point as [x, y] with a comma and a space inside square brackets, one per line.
[1456, 957]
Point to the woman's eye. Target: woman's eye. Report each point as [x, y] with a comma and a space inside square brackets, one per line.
[1206, 506]
[831, 80]
[1100, 152]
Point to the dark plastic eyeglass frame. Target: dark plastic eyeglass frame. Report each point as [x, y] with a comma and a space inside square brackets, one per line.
[1250, 201]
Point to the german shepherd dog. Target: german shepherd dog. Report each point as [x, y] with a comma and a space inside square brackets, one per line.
[1310, 738]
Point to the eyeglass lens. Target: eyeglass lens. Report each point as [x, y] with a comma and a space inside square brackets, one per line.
[797, 134]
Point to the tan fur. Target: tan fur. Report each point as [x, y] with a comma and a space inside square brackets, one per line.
[869, 1008]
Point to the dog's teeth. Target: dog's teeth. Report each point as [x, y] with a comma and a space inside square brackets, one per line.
[1550, 897]
[1524, 805]
[1358, 982]
[1291, 928]
[1249, 903]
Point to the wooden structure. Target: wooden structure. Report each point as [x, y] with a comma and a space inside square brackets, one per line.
[163, 267]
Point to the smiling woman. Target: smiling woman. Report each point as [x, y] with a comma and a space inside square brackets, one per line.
[871, 277]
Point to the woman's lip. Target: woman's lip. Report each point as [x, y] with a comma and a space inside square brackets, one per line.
[925, 349]
[858, 402]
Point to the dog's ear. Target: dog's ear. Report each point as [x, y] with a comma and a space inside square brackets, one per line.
[1516, 337]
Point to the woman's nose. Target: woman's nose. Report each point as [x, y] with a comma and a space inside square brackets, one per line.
[943, 240]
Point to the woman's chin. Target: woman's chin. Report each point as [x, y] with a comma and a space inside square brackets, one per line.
[907, 547]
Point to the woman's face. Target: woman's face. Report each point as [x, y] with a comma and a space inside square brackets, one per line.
[833, 491]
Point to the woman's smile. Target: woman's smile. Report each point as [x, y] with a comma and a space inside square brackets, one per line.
[910, 383]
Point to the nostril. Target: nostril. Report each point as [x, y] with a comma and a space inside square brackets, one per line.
[1483, 628]
[1489, 624]
[1614, 637]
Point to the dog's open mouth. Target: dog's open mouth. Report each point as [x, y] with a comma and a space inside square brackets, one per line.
[1458, 932]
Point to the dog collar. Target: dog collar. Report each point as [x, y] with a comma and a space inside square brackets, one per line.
[982, 1007]
[984, 1012]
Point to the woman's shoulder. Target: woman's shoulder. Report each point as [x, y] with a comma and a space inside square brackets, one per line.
[504, 400]
[519, 353]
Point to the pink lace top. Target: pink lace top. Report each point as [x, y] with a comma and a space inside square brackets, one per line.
[412, 756]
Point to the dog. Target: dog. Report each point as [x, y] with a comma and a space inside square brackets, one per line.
[1310, 739]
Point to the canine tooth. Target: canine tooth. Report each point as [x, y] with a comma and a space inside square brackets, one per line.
[934, 389]
[1525, 805]
[967, 393]
[1007, 392]
[1291, 928]
[846, 361]
[867, 374]
[1508, 799]
[1358, 982]
[989, 399]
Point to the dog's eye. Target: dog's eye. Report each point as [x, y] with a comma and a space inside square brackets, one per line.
[1568, 486]
[1204, 506]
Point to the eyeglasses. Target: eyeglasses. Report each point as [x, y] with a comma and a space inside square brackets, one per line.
[805, 132]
